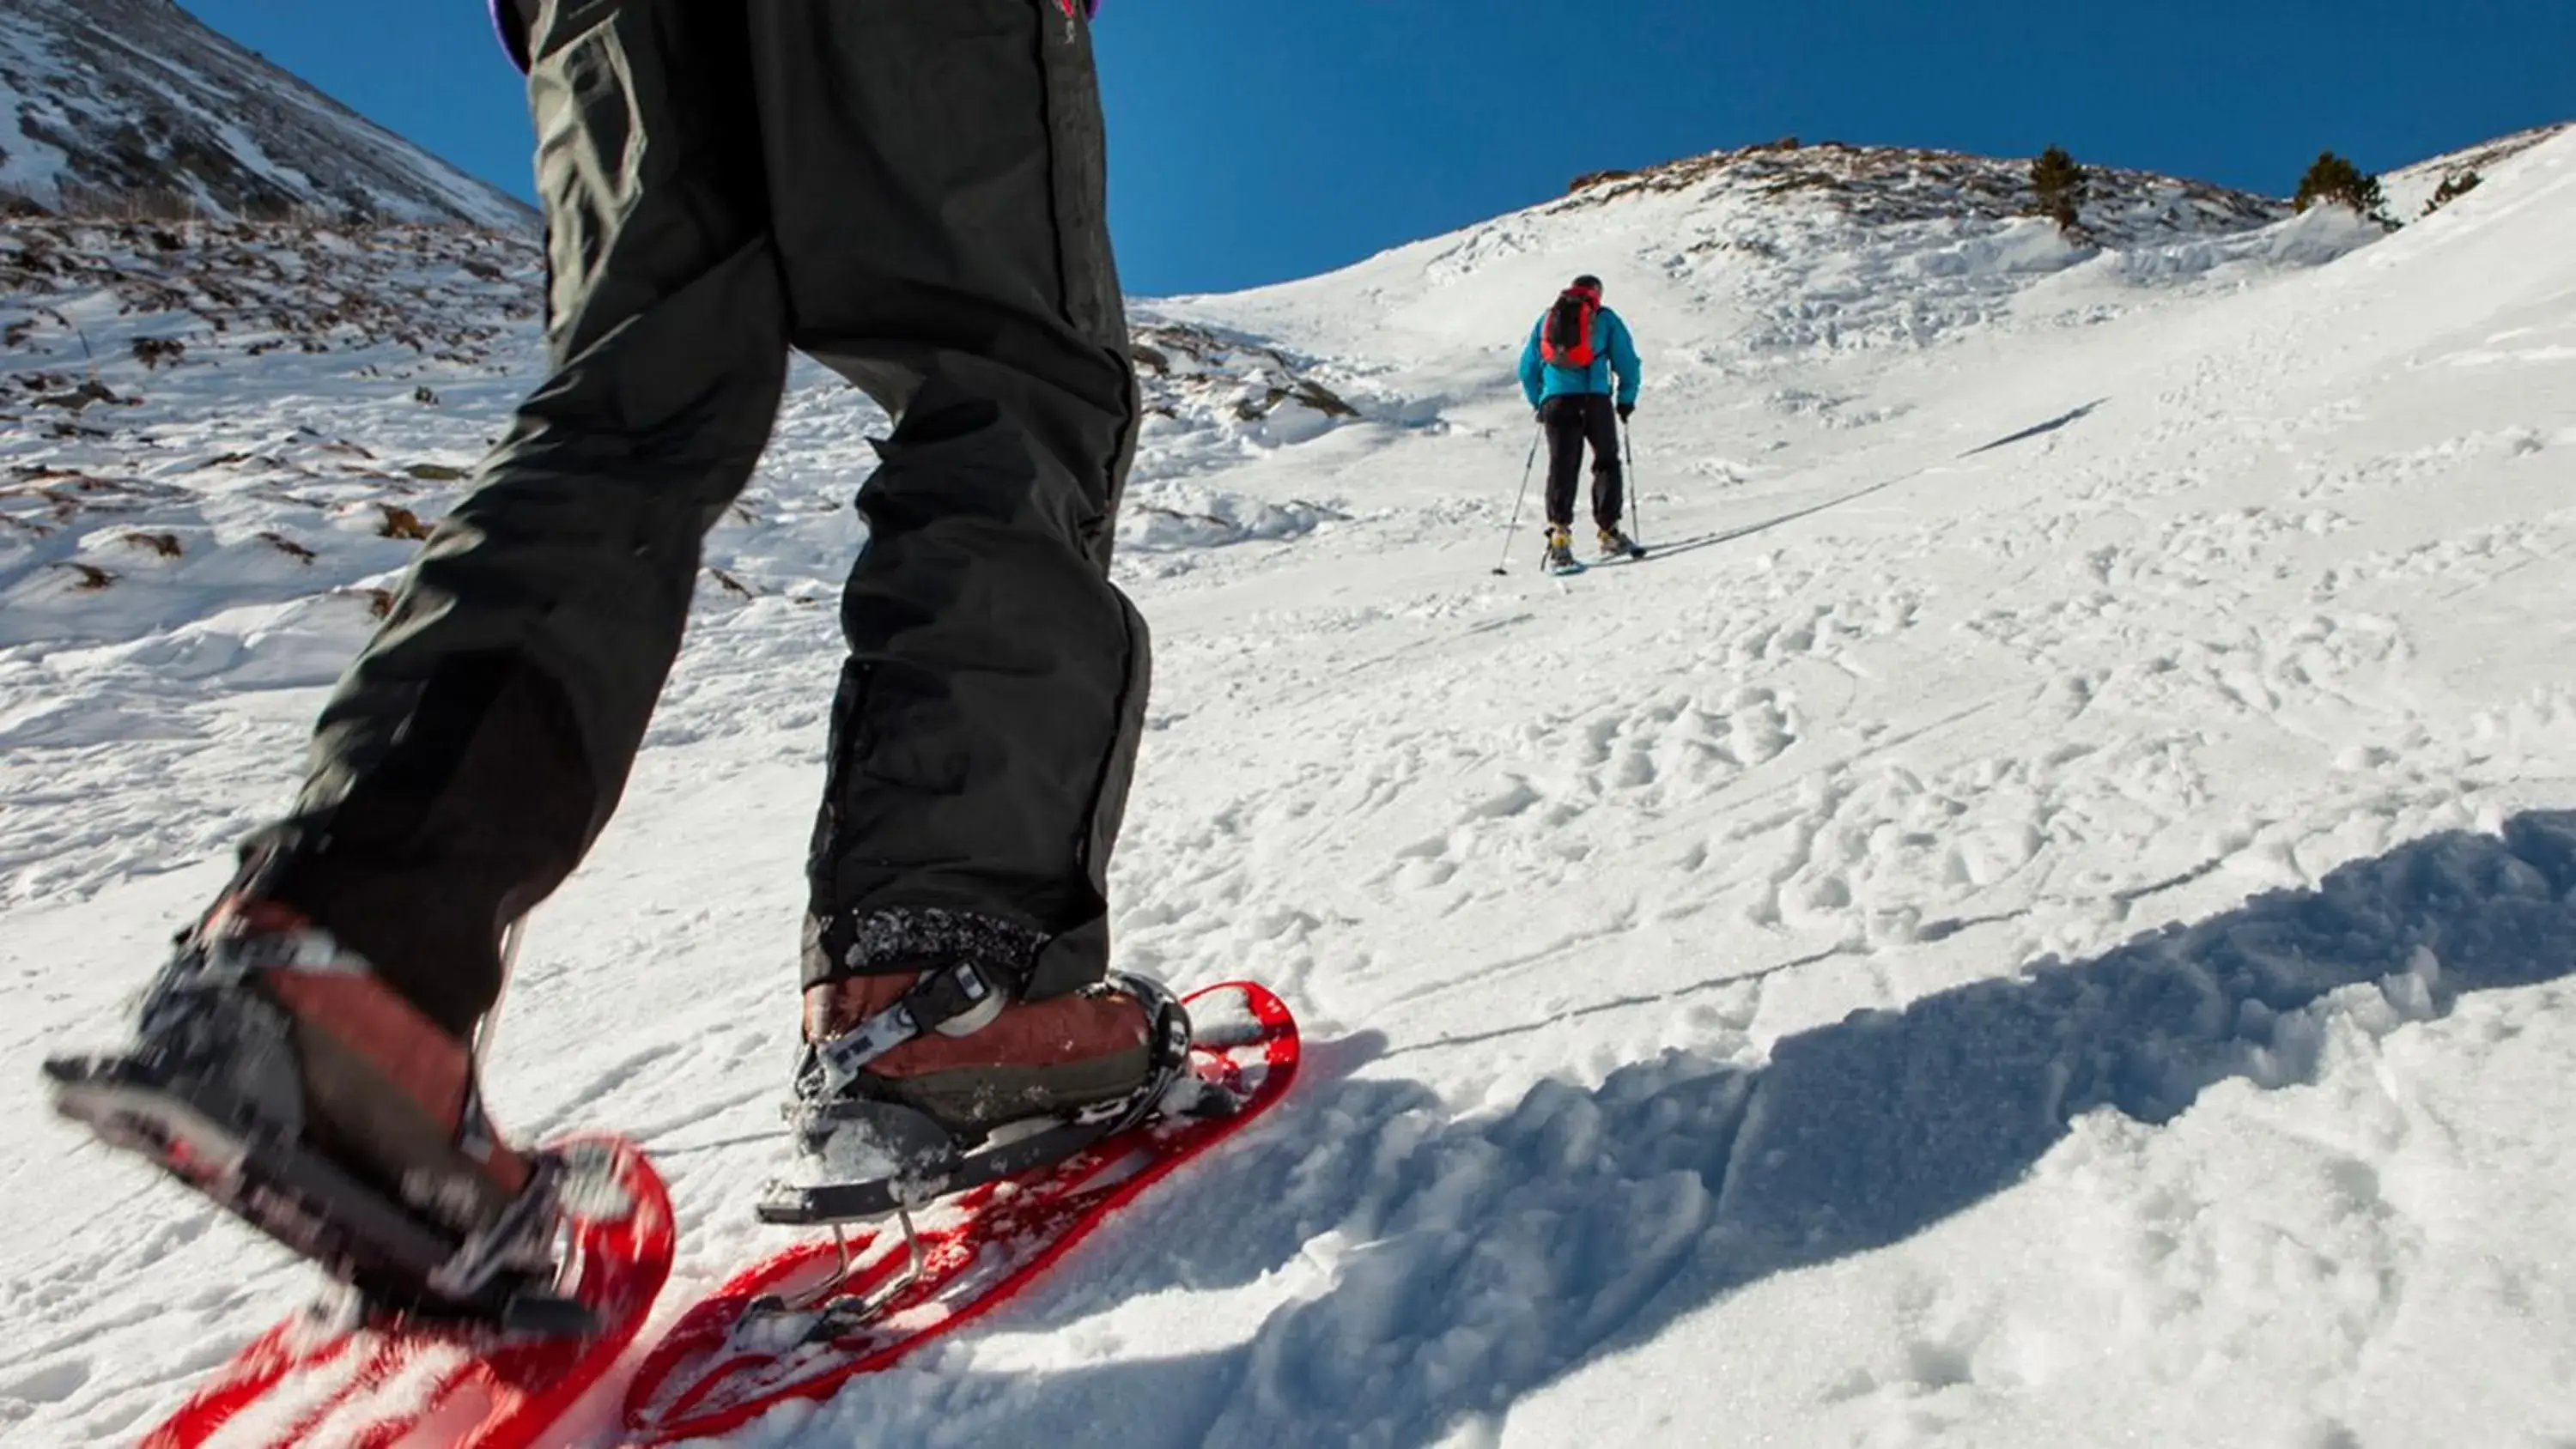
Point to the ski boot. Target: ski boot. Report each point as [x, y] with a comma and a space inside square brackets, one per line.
[1559, 556]
[272, 1071]
[1615, 544]
[911, 1087]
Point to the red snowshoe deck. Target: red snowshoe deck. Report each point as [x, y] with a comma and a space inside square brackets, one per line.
[303, 1383]
[724, 1362]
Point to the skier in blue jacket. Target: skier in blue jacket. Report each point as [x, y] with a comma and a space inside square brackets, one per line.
[1566, 372]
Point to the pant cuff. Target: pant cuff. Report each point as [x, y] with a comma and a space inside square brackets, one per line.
[897, 939]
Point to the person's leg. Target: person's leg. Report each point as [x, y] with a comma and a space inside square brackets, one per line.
[1564, 456]
[1601, 429]
[939, 201]
[328, 1001]
[482, 739]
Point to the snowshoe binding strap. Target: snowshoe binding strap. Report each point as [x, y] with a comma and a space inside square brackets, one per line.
[931, 1163]
[952, 995]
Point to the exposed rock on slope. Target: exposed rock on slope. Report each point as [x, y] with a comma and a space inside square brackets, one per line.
[132, 105]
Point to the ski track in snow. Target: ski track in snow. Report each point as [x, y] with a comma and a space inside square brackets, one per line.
[2044, 915]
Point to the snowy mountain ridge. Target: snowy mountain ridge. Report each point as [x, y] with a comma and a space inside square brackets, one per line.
[2408, 188]
[134, 106]
[2123, 207]
[2042, 915]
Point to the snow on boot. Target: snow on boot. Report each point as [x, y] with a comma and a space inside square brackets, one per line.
[1615, 544]
[1559, 557]
[274, 1072]
[913, 1086]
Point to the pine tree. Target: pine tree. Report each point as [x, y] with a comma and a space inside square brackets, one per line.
[2059, 184]
[2335, 179]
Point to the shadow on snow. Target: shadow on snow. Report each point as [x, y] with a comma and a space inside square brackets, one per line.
[1729, 535]
[1457, 1264]
[2036, 429]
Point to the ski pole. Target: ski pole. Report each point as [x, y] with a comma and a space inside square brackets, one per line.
[1636, 495]
[1526, 465]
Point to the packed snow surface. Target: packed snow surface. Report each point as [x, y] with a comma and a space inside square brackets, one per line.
[2042, 915]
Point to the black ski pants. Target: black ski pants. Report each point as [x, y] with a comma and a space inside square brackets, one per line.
[911, 191]
[1574, 419]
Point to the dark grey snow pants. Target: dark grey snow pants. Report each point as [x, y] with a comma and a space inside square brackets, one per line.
[911, 191]
[1572, 420]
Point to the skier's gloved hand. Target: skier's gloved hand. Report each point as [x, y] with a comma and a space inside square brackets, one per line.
[1625, 409]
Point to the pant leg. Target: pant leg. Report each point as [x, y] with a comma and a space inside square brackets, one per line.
[939, 201]
[1601, 427]
[482, 739]
[1564, 419]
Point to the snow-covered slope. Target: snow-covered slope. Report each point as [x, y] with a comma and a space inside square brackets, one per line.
[133, 104]
[2410, 189]
[2043, 916]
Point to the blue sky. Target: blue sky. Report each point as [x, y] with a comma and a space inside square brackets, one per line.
[1257, 142]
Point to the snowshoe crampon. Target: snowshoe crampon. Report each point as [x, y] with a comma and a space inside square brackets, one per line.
[481, 1340]
[423, 1378]
[206, 1132]
[804, 1322]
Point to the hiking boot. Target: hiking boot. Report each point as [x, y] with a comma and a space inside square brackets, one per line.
[274, 1072]
[1615, 544]
[1559, 556]
[890, 1113]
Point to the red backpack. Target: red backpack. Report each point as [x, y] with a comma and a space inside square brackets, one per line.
[1565, 339]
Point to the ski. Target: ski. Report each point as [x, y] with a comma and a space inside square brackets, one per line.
[1571, 567]
[809, 1319]
[311, 1381]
